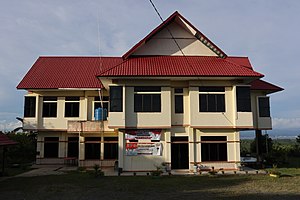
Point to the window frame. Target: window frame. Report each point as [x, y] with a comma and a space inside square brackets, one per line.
[211, 145]
[92, 144]
[72, 101]
[146, 106]
[118, 99]
[260, 112]
[178, 99]
[50, 101]
[105, 101]
[210, 93]
[49, 142]
[30, 106]
[243, 104]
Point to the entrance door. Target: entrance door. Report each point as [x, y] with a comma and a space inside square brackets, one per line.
[179, 153]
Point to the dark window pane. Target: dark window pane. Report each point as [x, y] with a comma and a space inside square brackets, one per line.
[72, 109]
[264, 106]
[156, 103]
[147, 100]
[73, 147]
[147, 89]
[49, 109]
[29, 106]
[243, 99]
[212, 102]
[72, 98]
[116, 99]
[178, 90]
[147, 103]
[213, 151]
[178, 103]
[49, 98]
[138, 103]
[211, 89]
[104, 98]
[51, 145]
[92, 147]
[110, 148]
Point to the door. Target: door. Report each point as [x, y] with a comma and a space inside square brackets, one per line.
[179, 153]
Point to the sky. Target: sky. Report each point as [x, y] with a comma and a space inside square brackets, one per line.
[267, 31]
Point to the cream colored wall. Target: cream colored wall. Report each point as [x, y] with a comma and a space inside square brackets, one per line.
[163, 44]
[61, 122]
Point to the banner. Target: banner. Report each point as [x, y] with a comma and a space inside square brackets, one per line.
[143, 142]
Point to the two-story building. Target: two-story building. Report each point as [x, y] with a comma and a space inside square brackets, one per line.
[175, 97]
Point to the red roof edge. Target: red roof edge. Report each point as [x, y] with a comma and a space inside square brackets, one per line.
[5, 141]
[162, 25]
[264, 85]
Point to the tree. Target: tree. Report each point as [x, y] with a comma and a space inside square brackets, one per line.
[298, 139]
[265, 144]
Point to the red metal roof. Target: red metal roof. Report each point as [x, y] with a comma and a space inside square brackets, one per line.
[243, 61]
[163, 25]
[66, 72]
[5, 141]
[263, 85]
[179, 66]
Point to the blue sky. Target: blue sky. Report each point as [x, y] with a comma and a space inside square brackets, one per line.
[267, 31]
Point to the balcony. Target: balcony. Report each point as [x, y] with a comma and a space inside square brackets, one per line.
[87, 126]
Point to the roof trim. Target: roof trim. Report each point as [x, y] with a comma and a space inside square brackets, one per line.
[265, 86]
[199, 35]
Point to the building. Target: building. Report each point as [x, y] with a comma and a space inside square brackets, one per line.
[173, 98]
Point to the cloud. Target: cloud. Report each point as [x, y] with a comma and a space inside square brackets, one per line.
[286, 123]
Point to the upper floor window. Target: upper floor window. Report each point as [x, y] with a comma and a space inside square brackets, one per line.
[116, 98]
[147, 99]
[49, 106]
[29, 106]
[243, 99]
[264, 106]
[212, 99]
[178, 100]
[72, 106]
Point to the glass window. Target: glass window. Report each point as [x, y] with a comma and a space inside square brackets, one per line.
[178, 100]
[98, 105]
[92, 147]
[213, 148]
[147, 99]
[116, 98]
[72, 106]
[264, 106]
[29, 106]
[110, 147]
[212, 99]
[49, 106]
[51, 145]
[243, 99]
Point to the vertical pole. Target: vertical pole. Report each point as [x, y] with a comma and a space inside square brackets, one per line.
[257, 138]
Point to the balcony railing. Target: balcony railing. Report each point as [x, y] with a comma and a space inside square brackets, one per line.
[87, 126]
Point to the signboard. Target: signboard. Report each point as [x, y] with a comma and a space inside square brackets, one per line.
[143, 142]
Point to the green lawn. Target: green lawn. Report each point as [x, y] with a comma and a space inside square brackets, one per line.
[76, 185]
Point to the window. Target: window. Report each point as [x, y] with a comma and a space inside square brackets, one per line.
[98, 110]
[92, 147]
[110, 147]
[29, 106]
[51, 147]
[212, 99]
[147, 99]
[116, 98]
[213, 148]
[178, 100]
[49, 106]
[243, 99]
[264, 106]
[72, 106]
[73, 146]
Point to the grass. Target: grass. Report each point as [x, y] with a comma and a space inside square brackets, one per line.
[76, 185]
